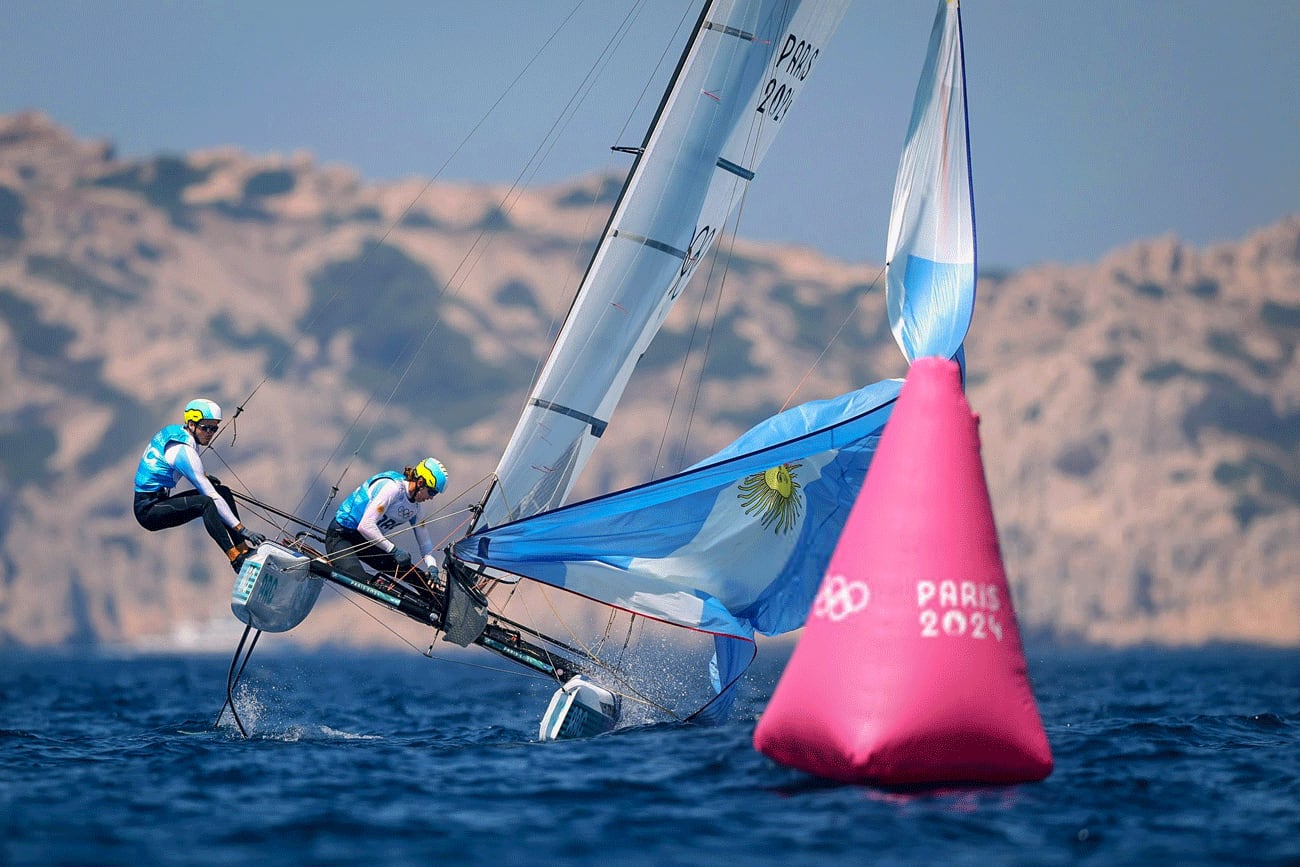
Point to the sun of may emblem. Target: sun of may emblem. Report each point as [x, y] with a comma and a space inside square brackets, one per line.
[774, 494]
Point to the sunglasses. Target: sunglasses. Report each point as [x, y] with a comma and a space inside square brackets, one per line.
[208, 428]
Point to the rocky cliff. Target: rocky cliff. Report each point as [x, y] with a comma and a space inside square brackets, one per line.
[1140, 415]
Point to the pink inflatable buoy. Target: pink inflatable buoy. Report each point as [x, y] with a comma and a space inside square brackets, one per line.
[910, 669]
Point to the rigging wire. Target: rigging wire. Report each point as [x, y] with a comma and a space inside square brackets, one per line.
[523, 178]
[689, 356]
[857, 302]
[375, 245]
[709, 332]
[708, 337]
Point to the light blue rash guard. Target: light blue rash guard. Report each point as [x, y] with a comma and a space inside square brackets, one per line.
[155, 472]
[170, 456]
[380, 506]
[353, 509]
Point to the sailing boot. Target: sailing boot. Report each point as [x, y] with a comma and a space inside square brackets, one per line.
[237, 555]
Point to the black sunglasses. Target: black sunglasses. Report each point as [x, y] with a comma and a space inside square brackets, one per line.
[207, 428]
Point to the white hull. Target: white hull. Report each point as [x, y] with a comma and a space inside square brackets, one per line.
[579, 709]
[274, 590]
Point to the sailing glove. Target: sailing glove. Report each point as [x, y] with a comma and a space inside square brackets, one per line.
[403, 559]
[252, 538]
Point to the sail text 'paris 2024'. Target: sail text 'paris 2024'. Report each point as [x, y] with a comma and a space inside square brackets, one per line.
[793, 63]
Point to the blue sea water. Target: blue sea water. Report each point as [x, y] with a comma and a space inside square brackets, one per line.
[1162, 756]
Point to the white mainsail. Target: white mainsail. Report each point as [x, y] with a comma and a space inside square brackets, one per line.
[733, 92]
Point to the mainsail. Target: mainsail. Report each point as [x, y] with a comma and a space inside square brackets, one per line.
[738, 543]
[731, 94]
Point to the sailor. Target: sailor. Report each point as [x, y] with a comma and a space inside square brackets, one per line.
[383, 504]
[173, 453]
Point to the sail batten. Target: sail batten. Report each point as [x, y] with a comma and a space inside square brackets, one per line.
[728, 30]
[597, 426]
[737, 170]
[661, 246]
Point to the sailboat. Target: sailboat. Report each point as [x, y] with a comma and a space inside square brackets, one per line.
[666, 584]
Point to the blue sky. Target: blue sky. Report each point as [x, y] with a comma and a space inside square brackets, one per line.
[1093, 123]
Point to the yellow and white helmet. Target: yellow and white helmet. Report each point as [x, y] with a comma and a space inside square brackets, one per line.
[201, 408]
[433, 474]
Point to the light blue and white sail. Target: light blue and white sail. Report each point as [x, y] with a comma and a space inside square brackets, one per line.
[930, 253]
[732, 545]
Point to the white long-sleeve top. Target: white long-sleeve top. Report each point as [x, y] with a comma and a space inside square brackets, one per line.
[388, 509]
[185, 460]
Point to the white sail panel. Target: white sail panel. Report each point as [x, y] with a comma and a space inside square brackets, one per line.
[930, 254]
[738, 81]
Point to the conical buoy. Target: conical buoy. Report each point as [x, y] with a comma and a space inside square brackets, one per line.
[910, 668]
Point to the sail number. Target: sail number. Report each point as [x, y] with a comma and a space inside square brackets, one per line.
[793, 63]
[957, 609]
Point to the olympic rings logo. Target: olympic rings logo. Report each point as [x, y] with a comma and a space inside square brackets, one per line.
[839, 598]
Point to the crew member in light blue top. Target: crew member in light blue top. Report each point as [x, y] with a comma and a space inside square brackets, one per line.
[173, 454]
[386, 502]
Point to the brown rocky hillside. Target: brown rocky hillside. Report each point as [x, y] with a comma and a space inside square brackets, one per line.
[1140, 415]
